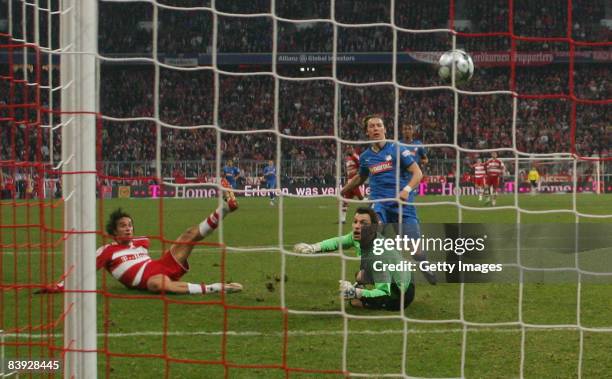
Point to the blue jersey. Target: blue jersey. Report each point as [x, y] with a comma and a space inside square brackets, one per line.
[231, 173]
[417, 149]
[269, 174]
[381, 168]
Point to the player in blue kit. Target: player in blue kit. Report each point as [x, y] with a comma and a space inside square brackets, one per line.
[269, 174]
[231, 172]
[380, 164]
[415, 146]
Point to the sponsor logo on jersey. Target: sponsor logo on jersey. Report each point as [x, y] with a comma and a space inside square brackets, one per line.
[380, 167]
[132, 257]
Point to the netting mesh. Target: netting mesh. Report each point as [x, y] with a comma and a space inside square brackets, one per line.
[31, 236]
[154, 118]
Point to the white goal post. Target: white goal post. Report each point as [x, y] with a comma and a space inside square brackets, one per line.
[79, 101]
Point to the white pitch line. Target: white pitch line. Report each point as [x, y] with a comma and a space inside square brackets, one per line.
[230, 249]
[298, 333]
[274, 248]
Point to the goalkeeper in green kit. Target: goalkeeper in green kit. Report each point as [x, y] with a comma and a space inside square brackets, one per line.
[388, 290]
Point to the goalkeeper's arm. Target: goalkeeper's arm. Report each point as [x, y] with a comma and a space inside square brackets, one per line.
[306, 248]
[330, 244]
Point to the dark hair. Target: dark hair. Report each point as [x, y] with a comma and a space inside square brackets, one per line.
[114, 217]
[368, 211]
[367, 118]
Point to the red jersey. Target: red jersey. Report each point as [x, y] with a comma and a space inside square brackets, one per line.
[179, 178]
[494, 167]
[351, 162]
[479, 170]
[10, 183]
[126, 263]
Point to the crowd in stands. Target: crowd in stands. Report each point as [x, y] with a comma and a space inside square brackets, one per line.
[185, 26]
[191, 29]
[306, 109]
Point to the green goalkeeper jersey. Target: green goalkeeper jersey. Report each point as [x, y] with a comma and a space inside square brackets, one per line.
[347, 241]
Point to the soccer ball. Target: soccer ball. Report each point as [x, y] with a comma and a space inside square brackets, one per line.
[464, 66]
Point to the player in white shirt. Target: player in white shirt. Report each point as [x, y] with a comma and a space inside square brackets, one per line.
[479, 177]
[495, 170]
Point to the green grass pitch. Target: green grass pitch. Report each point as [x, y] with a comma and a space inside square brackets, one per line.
[314, 340]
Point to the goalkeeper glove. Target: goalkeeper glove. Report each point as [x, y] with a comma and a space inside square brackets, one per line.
[304, 248]
[349, 291]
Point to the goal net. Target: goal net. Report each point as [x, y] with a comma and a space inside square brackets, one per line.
[141, 104]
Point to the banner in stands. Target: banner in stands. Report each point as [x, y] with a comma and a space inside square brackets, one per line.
[481, 58]
[182, 62]
[438, 186]
[468, 189]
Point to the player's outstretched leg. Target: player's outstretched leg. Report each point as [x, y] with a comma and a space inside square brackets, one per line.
[185, 242]
[228, 195]
[220, 287]
[162, 283]
[180, 251]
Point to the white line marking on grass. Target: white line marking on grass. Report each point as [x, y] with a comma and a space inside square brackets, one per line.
[298, 333]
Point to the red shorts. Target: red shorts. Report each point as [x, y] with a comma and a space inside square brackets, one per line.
[493, 181]
[166, 265]
[357, 192]
[479, 182]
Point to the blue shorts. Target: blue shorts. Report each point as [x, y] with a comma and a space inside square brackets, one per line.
[270, 185]
[390, 214]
